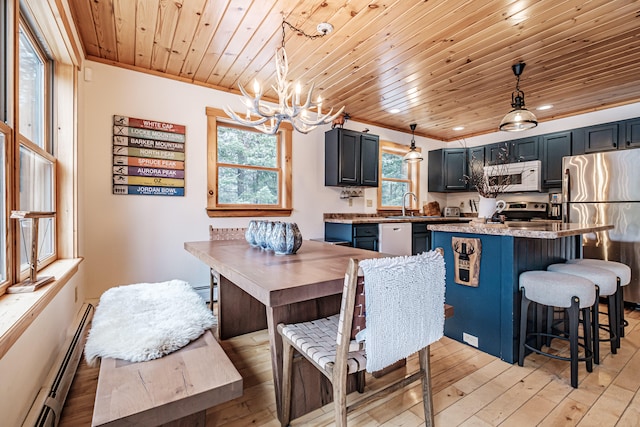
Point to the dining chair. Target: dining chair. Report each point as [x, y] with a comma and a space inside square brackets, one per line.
[329, 345]
[221, 234]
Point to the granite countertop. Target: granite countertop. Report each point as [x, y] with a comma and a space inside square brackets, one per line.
[534, 230]
[377, 219]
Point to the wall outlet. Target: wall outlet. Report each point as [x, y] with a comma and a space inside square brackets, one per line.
[369, 203]
[470, 339]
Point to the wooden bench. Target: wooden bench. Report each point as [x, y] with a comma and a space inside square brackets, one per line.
[174, 390]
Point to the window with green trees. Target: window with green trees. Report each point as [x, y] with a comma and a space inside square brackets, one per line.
[396, 176]
[249, 171]
[248, 167]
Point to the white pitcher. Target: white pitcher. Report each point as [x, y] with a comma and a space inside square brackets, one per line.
[488, 206]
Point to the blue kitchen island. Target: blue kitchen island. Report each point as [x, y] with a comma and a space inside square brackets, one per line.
[487, 311]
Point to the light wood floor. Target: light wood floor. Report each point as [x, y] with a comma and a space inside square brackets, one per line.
[470, 388]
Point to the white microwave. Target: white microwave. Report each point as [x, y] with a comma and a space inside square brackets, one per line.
[523, 176]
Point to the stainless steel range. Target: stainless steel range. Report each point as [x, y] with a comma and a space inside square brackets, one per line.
[525, 211]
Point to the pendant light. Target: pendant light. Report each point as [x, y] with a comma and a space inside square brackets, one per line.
[519, 118]
[413, 155]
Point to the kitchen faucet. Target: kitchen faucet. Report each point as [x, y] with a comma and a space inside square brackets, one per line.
[403, 200]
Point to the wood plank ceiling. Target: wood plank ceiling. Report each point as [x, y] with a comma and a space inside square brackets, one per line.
[442, 64]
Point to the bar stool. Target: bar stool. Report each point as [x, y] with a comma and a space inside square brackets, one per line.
[622, 271]
[552, 289]
[605, 281]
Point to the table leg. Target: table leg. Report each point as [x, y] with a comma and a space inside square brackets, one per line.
[238, 312]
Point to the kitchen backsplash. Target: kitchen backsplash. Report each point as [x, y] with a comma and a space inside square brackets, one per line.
[461, 200]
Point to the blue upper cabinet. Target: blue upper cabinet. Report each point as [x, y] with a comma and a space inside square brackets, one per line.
[601, 137]
[607, 137]
[518, 150]
[524, 149]
[632, 133]
[447, 168]
[553, 147]
[351, 158]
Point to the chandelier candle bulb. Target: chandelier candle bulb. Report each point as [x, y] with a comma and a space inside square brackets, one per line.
[256, 87]
[298, 90]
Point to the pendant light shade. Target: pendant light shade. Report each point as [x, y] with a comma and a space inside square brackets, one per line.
[413, 155]
[519, 118]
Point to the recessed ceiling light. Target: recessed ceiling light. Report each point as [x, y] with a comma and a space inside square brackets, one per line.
[458, 128]
[544, 107]
[394, 110]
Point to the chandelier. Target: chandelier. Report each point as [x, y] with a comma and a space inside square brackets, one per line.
[303, 116]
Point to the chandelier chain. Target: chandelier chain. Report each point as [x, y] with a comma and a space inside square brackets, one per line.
[300, 32]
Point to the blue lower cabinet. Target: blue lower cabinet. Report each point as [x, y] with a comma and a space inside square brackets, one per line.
[482, 314]
[487, 316]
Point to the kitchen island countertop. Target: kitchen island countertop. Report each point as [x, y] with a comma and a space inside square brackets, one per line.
[534, 230]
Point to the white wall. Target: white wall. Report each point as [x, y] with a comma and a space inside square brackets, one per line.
[26, 365]
[129, 239]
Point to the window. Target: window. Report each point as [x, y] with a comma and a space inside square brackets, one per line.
[32, 84]
[3, 219]
[38, 83]
[4, 28]
[36, 163]
[249, 172]
[396, 177]
[28, 173]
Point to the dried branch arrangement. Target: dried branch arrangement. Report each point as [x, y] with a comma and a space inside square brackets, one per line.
[491, 186]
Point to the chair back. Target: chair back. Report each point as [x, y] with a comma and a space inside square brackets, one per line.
[226, 233]
[404, 306]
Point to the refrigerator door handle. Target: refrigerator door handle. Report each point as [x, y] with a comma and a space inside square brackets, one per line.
[565, 195]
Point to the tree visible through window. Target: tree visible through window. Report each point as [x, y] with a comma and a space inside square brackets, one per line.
[396, 176]
[249, 172]
[248, 167]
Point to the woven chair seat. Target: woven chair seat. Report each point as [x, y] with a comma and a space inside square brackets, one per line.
[317, 339]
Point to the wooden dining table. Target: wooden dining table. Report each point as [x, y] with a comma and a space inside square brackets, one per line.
[258, 290]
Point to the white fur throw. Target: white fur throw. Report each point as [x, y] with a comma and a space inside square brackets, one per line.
[146, 321]
[405, 306]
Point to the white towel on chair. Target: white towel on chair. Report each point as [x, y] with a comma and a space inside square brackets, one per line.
[404, 306]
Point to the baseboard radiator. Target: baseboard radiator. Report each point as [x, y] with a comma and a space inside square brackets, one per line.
[47, 406]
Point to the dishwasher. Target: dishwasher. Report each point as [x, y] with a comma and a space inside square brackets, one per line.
[395, 238]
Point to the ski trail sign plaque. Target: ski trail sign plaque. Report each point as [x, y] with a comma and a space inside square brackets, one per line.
[148, 157]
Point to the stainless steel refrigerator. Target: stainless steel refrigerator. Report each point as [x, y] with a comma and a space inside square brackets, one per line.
[605, 188]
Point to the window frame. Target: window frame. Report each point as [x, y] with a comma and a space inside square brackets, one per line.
[45, 151]
[413, 175]
[217, 117]
[25, 25]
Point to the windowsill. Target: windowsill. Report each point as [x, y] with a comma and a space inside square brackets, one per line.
[235, 212]
[18, 311]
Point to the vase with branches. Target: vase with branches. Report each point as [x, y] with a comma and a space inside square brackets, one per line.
[489, 186]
